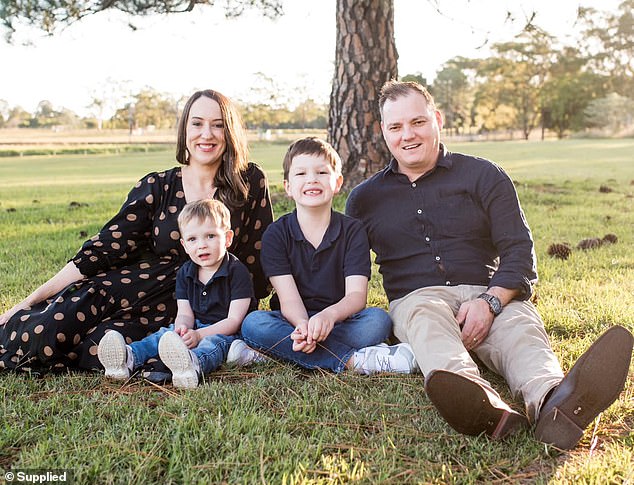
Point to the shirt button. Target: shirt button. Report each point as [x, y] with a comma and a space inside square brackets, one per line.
[427, 239]
[437, 258]
[204, 293]
[413, 184]
[420, 211]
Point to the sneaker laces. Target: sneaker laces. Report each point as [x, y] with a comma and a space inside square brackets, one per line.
[384, 363]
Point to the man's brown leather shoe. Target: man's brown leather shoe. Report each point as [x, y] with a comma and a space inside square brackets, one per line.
[466, 406]
[593, 383]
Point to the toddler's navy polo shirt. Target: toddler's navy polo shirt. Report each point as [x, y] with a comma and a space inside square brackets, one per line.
[210, 301]
[318, 273]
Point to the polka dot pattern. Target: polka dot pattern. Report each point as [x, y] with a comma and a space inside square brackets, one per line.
[130, 270]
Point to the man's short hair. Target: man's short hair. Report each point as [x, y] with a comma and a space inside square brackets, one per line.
[206, 209]
[394, 89]
[311, 145]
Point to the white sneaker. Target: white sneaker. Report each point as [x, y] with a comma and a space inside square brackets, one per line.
[241, 354]
[115, 356]
[181, 361]
[383, 358]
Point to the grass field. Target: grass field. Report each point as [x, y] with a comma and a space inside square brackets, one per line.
[276, 424]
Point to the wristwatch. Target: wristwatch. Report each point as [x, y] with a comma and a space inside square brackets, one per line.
[494, 303]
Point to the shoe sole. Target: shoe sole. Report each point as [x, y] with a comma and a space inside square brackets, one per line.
[600, 378]
[467, 409]
[113, 355]
[175, 355]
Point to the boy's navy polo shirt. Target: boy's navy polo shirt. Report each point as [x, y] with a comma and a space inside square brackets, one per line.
[318, 273]
[210, 301]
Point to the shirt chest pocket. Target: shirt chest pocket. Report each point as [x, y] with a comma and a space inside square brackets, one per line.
[457, 215]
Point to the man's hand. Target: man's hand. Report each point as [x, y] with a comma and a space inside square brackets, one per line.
[475, 318]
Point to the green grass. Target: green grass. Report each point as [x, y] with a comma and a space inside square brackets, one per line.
[276, 424]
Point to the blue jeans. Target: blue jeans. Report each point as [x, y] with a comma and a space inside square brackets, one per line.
[270, 333]
[211, 351]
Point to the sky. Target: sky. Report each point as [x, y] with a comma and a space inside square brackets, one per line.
[180, 53]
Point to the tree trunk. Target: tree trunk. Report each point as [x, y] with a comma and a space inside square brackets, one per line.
[365, 58]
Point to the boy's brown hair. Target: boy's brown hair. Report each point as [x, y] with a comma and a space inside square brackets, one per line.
[311, 145]
[206, 209]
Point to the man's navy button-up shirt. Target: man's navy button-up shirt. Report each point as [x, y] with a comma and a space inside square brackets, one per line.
[460, 223]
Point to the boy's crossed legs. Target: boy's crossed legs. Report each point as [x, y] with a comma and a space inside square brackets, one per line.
[353, 344]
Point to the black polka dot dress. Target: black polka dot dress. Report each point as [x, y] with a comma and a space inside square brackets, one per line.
[129, 273]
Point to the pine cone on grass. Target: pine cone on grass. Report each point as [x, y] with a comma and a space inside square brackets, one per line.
[559, 250]
[610, 239]
[590, 243]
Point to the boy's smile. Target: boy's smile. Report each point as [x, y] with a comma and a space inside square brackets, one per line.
[312, 181]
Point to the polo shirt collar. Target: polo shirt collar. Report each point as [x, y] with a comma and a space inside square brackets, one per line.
[332, 233]
[223, 270]
[444, 160]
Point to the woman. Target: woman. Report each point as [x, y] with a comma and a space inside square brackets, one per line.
[123, 278]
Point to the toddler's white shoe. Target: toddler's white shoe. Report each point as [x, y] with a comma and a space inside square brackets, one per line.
[115, 356]
[180, 360]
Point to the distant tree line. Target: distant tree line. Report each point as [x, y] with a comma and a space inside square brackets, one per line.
[536, 82]
[532, 82]
[150, 108]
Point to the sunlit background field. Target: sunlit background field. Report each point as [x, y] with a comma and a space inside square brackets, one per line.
[274, 423]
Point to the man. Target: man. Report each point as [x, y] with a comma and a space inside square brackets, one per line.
[458, 265]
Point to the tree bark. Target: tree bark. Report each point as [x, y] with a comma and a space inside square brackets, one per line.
[365, 58]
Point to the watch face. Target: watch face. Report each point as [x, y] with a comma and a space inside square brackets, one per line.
[495, 304]
[493, 301]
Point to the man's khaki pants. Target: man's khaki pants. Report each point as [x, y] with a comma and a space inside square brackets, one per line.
[517, 347]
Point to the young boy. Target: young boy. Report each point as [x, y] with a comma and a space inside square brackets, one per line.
[213, 292]
[318, 261]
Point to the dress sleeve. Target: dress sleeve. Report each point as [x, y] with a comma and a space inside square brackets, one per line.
[126, 233]
[256, 215]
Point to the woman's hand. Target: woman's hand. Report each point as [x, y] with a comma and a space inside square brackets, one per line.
[4, 318]
[66, 276]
